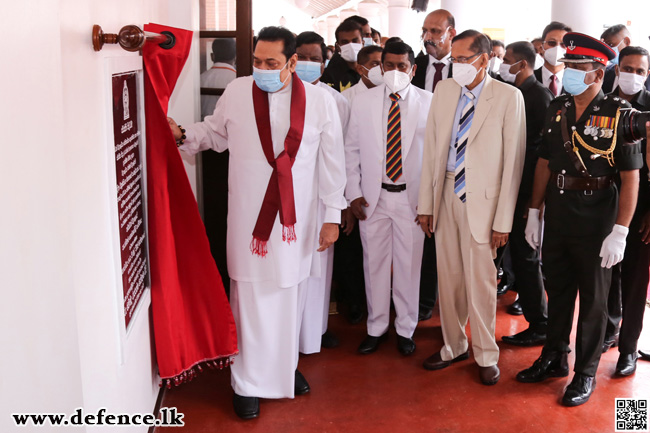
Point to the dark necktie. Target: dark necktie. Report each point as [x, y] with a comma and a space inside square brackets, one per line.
[553, 86]
[394, 140]
[438, 75]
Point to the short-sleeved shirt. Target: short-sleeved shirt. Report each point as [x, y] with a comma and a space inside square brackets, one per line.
[572, 212]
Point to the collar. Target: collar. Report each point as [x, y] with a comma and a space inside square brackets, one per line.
[546, 75]
[444, 60]
[402, 93]
[476, 91]
[528, 83]
[642, 98]
[221, 65]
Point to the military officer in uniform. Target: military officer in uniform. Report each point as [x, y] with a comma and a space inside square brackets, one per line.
[586, 216]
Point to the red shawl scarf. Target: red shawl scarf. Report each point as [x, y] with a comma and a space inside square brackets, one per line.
[279, 192]
[192, 320]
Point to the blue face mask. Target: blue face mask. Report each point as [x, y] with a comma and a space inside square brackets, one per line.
[269, 80]
[614, 61]
[574, 81]
[308, 71]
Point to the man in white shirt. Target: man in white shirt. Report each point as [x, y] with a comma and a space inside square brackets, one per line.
[285, 156]
[551, 74]
[438, 30]
[369, 67]
[220, 74]
[312, 52]
[383, 153]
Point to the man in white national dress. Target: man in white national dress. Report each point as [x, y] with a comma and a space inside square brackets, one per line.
[285, 156]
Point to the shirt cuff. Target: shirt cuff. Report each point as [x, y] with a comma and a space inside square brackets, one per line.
[332, 215]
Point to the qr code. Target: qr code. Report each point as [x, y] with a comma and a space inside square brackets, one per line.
[631, 415]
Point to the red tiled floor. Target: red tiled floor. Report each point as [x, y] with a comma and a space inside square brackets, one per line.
[385, 392]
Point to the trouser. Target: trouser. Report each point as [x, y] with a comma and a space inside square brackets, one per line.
[614, 304]
[348, 269]
[391, 236]
[316, 313]
[528, 271]
[504, 261]
[268, 321]
[634, 283]
[429, 275]
[468, 283]
[572, 265]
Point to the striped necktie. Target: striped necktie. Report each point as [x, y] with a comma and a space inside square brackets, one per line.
[394, 140]
[464, 126]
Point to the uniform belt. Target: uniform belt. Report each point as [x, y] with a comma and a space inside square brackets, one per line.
[563, 181]
[393, 188]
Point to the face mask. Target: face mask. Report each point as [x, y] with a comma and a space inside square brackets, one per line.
[436, 44]
[396, 80]
[368, 42]
[504, 71]
[573, 81]
[374, 75]
[554, 55]
[349, 51]
[327, 62]
[308, 71]
[630, 84]
[495, 64]
[464, 73]
[539, 61]
[269, 80]
[614, 61]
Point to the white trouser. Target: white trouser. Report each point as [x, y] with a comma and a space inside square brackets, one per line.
[315, 315]
[391, 236]
[268, 325]
[467, 283]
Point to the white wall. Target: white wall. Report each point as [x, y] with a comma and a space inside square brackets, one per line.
[59, 268]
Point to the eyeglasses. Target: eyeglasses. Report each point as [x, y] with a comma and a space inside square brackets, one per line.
[553, 44]
[462, 59]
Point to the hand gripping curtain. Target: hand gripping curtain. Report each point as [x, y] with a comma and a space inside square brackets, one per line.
[193, 323]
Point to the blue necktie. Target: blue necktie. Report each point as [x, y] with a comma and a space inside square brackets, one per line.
[464, 126]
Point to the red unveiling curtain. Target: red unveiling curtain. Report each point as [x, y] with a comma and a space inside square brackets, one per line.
[192, 320]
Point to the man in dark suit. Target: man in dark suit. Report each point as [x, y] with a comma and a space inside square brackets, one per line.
[617, 37]
[550, 75]
[437, 32]
[518, 69]
[632, 72]
[340, 73]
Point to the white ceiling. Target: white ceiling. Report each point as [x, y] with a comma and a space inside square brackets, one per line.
[319, 8]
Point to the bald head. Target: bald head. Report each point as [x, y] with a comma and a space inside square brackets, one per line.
[438, 30]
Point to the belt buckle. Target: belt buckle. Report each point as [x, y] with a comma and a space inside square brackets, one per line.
[589, 192]
[560, 181]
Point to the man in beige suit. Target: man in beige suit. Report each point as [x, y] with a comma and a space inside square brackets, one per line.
[473, 160]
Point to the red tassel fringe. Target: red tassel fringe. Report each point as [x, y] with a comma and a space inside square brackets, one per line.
[190, 374]
[258, 247]
[289, 234]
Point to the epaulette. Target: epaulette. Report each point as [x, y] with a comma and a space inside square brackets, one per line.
[617, 99]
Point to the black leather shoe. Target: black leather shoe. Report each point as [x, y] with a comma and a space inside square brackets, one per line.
[406, 346]
[579, 390]
[370, 343]
[425, 314]
[502, 287]
[246, 407]
[489, 375]
[626, 365]
[435, 362]
[515, 308]
[644, 355]
[300, 385]
[525, 338]
[355, 314]
[550, 364]
[329, 340]
[610, 341]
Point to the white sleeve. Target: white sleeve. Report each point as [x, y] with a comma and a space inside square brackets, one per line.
[331, 164]
[352, 155]
[212, 133]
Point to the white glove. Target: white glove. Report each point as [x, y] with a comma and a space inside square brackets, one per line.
[613, 246]
[532, 228]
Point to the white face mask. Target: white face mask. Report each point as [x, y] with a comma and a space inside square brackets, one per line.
[367, 42]
[396, 80]
[374, 75]
[539, 61]
[554, 55]
[465, 73]
[495, 64]
[504, 71]
[350, 51]
[630, 84]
